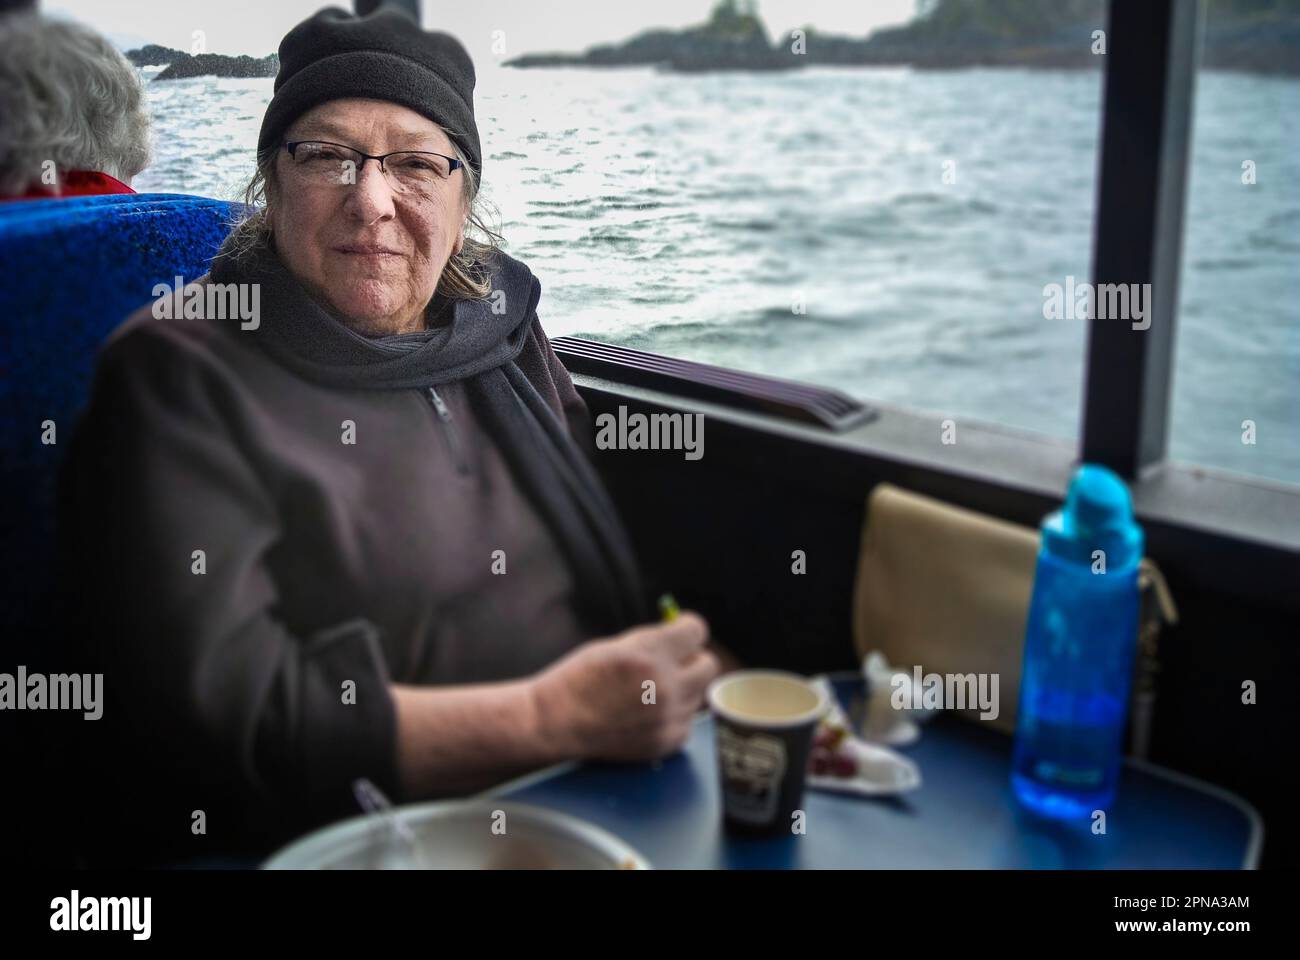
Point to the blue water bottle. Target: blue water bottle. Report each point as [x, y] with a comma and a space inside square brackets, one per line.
[1080, 643]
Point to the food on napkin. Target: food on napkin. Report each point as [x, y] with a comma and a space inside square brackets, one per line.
[846, 763]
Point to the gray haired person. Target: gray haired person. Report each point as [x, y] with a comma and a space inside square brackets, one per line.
[73, 119]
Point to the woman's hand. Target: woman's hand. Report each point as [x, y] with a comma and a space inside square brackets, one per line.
[630, 697]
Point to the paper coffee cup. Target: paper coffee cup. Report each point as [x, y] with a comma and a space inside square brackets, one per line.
[764, 722]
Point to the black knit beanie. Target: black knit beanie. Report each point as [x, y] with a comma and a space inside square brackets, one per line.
[382, 56]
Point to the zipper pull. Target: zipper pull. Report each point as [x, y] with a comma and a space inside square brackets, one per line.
[449, 431]
[443, 413]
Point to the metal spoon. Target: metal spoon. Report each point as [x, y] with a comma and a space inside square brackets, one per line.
[373, 801]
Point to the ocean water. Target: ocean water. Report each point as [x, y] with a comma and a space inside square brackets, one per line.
[883, 231]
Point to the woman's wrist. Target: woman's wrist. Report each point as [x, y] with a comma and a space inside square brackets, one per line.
[454, 740]
[551, 719]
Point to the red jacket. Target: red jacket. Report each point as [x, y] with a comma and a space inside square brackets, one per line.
[76, 183]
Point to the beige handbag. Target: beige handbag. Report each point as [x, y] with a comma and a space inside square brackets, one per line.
[948, 590]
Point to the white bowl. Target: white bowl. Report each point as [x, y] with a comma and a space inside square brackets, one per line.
[480, 834]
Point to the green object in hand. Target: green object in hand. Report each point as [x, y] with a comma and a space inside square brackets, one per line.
[668, 609]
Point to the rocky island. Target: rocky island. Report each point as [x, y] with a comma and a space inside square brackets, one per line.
[152, 55]
[733, 38]
[181, 65]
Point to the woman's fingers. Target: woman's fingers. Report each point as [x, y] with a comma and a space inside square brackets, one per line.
[679, 639]
[697, 674]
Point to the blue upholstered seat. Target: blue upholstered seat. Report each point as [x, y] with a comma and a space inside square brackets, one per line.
[73, 269]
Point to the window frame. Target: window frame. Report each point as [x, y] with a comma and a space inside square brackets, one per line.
[1148, 105]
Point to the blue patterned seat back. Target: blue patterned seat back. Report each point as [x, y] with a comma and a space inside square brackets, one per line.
[73, 270]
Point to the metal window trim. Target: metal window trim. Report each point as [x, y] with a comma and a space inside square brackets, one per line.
[787, 399]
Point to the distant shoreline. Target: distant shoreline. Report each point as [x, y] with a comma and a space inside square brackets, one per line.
[1059, 35]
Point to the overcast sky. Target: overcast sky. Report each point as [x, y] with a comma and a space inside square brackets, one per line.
[530, 26]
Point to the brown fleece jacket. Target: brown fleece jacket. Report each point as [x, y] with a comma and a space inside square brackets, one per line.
[249, 583]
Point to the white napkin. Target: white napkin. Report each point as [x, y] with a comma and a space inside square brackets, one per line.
[884, 724]
[880, 770]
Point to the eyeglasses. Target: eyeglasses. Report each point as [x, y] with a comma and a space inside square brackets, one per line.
[408, 171]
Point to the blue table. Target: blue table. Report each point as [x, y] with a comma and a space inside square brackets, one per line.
[963, 815]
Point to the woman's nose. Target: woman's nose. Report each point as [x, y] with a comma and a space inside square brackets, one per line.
[371, 197]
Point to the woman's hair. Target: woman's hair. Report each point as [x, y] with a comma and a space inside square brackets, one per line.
[467, 275]
[66, 96]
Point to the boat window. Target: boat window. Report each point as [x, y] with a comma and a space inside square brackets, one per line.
[1236, 392]
[895, 233]
[827, 200]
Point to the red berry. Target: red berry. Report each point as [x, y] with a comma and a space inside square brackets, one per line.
[843, 766]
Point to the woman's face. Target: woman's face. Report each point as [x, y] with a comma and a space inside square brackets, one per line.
[370, 251]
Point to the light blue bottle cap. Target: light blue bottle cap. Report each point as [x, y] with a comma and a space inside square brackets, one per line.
[1098, 515]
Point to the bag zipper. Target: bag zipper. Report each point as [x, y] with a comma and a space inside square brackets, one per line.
[449, 431]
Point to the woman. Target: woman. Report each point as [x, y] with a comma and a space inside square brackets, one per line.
[72, 111]
[358, 536]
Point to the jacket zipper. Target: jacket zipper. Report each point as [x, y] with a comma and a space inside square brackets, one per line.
[449, 431]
